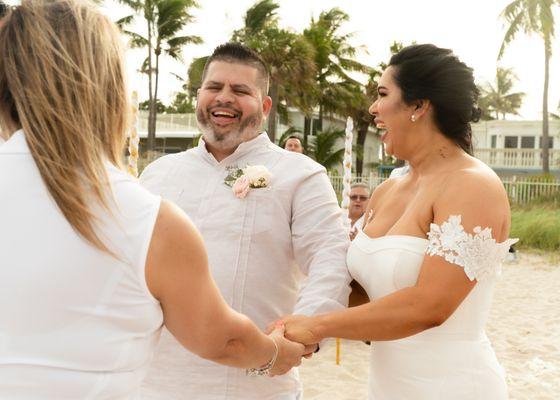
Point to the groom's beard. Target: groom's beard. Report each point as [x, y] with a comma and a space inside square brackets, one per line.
[229, 137]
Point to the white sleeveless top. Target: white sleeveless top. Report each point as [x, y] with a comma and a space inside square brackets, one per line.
[75, 323]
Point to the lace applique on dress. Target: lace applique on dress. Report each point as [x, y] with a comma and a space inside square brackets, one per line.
[477, 253]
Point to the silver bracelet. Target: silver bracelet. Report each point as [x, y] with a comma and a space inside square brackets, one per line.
[265, 369]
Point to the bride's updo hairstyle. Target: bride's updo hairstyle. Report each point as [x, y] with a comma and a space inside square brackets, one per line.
[427, 72]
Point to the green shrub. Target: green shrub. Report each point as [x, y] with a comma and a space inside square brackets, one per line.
[537, 227]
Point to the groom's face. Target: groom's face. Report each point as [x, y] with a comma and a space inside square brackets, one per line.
[231, 106]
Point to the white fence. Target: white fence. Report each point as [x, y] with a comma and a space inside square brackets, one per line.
[520, 190]
[527, 190]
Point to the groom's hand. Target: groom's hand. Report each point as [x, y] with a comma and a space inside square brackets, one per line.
[309, 349]
[289, 352]
[299, 328]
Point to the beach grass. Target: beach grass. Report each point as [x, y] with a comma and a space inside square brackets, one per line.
[537, 226]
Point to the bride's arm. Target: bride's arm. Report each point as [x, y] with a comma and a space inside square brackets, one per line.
[441, 285]
[194, 311]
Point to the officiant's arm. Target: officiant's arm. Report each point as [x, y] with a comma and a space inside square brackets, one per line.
[320, 242]
[194, 311]
[441, 286]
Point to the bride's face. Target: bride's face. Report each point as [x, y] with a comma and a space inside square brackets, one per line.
[391, 114]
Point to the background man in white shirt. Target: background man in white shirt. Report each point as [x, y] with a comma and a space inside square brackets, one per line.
[259, 246]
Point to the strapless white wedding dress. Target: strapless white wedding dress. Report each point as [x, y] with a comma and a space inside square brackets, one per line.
[454, 361]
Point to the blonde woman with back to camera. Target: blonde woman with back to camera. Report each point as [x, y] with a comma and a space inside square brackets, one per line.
[92, 265]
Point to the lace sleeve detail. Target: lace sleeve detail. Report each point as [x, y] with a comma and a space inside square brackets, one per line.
[479, 254]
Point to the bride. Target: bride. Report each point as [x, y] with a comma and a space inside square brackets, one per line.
[432, 246]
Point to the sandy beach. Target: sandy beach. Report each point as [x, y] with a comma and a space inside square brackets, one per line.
[524, 328]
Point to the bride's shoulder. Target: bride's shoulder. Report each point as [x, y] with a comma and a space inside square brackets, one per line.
[475, 179]
[477, 194]
[382, 189]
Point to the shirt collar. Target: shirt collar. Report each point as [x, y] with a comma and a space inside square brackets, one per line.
[15, 144]
[242, 150]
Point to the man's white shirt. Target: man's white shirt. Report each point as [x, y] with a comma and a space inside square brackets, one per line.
[259, 247]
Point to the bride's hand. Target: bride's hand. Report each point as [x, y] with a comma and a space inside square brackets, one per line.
[289, 353]
[300, 329]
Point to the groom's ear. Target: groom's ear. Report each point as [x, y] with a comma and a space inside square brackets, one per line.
[266, 105]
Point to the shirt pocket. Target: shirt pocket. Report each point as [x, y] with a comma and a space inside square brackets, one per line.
[262, 207]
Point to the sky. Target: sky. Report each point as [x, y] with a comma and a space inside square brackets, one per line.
[470, 28]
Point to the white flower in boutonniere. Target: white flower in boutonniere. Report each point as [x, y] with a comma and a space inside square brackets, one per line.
[250, 177]
[259, 175]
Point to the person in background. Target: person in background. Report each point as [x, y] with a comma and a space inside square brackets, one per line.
[359, 196]
[293, 143]
[92, 265]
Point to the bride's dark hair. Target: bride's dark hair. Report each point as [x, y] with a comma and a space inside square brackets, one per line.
[429, 72]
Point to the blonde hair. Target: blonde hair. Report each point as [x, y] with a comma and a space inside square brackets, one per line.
[62, 82]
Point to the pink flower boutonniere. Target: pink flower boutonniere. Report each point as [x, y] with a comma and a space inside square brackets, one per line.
[250, 177]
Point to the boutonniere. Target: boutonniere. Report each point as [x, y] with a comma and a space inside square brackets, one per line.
[250, 177]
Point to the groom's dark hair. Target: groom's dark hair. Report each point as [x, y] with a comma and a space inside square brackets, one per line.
[237, 53]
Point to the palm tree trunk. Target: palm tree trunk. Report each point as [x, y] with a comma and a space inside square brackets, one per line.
[545, 151]
[320, 127]
[273, 112]
[361, 141]
[306, 130]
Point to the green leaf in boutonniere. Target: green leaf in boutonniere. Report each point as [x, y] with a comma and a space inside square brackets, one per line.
[233, 174]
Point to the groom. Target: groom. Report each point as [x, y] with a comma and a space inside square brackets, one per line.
[262, 241]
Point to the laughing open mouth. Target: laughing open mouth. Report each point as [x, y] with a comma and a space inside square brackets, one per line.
[225, 114]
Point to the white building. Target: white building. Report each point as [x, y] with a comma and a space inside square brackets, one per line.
[509, 147]
[514, 147]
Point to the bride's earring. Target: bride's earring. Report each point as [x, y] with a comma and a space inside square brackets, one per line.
[413, 118]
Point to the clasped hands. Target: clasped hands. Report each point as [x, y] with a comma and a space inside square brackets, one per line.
[295, 339]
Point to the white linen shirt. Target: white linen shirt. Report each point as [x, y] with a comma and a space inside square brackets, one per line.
[259, 249]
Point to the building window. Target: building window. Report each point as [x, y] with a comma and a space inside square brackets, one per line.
[493, 139]
[527, 142]
[510, 142]
[550, 142]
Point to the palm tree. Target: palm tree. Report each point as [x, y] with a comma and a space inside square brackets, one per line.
[322, 148]
[357, 107]
[486, 110]
[534, 16]
[194, 75]
[164, 21]
[288, 56]
[498, 97]
[333, 61]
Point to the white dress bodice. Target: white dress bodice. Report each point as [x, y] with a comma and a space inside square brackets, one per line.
[452, 361]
